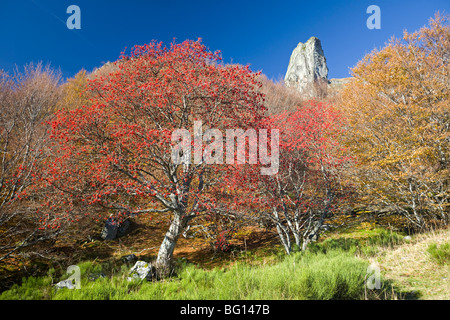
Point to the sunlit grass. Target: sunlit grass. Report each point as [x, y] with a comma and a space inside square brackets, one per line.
[336, 274]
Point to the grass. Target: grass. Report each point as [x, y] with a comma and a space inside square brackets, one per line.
[413, 268]
[366, 243]
[335, 268]
[32, 288]
[441, 255]
[336, 274]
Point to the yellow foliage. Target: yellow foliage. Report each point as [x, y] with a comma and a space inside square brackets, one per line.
[398, 107]
[367, 225]
[75, 95]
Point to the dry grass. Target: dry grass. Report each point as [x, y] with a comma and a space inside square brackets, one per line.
[411, 268]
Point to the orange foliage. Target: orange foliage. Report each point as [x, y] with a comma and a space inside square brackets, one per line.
[398, 110]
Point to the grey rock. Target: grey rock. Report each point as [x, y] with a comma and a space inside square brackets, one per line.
[123, 229]
[65, 284]
[113, 229]
[141, 270]
[109, 231]
[129, 258]
[306, 65]
[96, 275]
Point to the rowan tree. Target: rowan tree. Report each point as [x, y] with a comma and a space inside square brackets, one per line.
[398, 109]
[307, 187]
[113, 156]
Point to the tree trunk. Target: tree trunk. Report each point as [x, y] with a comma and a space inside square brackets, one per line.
[165, 254]
[283, 232]
[312, 236]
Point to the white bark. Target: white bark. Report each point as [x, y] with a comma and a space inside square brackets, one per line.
[176, 228]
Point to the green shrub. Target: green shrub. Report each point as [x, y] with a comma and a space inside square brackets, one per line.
[368, 245]
[342, 244]
[440, 254]
[385, 238]
[31, 288]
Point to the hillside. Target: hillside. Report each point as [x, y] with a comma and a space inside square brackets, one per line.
[412, 269]
[407, 269]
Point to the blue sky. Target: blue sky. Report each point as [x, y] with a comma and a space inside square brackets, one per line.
[260, 33]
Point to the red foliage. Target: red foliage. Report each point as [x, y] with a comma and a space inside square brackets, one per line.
[307, 187]
[221, 243]
[114, 155]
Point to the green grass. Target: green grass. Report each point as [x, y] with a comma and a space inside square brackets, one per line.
[331, 269]
[336, 274]
[32, 288]
[364, 242]
[441, 254]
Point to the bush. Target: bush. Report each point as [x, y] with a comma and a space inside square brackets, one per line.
[222, 243]
[366, 245]
[385, 238]
[440, 254]
[31, 288]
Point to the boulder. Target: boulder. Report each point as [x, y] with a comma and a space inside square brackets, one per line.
[124, 227]
[65, 284]
[129, 258]
[113, 229]
[141, 270]
[96, 275]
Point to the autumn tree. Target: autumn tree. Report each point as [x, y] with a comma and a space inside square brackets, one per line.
[75, 92]
[307, 187]
[113, 156]
[278, 97]
[398, 109]
[27, 98]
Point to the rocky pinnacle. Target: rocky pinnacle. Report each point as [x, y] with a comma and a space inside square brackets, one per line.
[307, 65]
